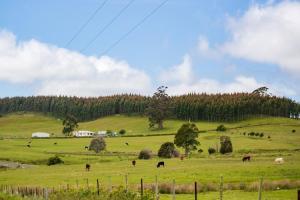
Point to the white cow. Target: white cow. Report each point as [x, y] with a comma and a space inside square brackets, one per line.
[279, 160]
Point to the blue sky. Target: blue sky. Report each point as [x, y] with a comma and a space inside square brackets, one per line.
[190, 46]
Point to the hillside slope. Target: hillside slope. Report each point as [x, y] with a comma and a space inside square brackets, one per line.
[23, 124]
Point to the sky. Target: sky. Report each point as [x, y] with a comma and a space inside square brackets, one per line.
[134, 46]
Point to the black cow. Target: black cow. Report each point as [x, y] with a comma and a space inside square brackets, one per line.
[55, 143]
[126, 143]
[86, 147]
[28, 145]
[161, 163]
[133, 163]
[87, 167]
[246, 158]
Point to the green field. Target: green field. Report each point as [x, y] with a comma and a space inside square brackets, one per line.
[23, 124]
[115, 162]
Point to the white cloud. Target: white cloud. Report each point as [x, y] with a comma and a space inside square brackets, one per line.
[268, 34]
[61, 71]
[205, 49]
[179, 73]
[188, 83]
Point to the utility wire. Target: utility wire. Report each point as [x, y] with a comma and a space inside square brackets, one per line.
[86, 23]
[107, 25]
[134, 27]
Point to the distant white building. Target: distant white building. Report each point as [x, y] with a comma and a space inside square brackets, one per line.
[83, 133]
[106, 134]
[40, 135]
[101, 133]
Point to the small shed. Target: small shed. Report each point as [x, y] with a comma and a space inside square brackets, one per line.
[40, 135]
[83, 133]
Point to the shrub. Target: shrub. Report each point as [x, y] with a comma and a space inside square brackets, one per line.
[244, 133]
[251, 134]
[54, 160]
[200, 150]
[221, 128]
[269, 137]
[226, 145]
[176, 153]
[122, 132]
[97, 144]
[166, 150]
[211, 150]
[261, 135]
[145, 154]
[293, 131]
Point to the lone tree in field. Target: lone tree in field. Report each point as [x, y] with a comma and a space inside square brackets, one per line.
[167, 150]
[97, 144]
[70, 124]
[159, 108]
[186, 137]
[226, 145]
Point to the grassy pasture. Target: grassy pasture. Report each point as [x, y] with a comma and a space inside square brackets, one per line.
[115, 162]
[23, 124]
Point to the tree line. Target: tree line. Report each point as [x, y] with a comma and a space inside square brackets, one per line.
[210, 107]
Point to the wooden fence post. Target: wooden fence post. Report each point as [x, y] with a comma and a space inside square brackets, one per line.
[110, 185]
[98, 189]
[221, 188]
[173, 190]
[87, 184]
[196, 191]
[142, 188]
[156, 188]
[260, 188]
[77, 185]
[126, 182]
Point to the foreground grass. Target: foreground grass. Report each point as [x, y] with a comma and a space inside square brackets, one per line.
[232, 195]
[238, 195]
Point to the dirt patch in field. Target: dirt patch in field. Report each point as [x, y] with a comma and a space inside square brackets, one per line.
[12, 165]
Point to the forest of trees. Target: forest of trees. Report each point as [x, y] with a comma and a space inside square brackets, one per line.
[210, 107]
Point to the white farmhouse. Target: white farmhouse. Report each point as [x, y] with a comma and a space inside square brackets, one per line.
[83, 133]
[101, 133]
[40, 135]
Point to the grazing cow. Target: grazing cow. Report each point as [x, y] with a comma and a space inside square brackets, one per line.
[126, 143]
[246, 158]
[87, 167]
[181, 157]
[86, 147]
[279, 160]
[133, 162]
[28, 145]
[161, 163]
[55, 143]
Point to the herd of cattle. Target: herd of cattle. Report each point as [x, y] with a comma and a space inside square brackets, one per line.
[162, 163]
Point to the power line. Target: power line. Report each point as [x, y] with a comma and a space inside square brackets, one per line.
[107, 25]
[86, 23]
[134, 27]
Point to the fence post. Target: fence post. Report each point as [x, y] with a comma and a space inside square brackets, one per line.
[156, 188]
[196, 191]
[142, 188]
[46, 193]
[87, 184]
[110, 185]
[260, 188]
[173, 190]
[126, 182]
[98, 190]
[221, 188]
